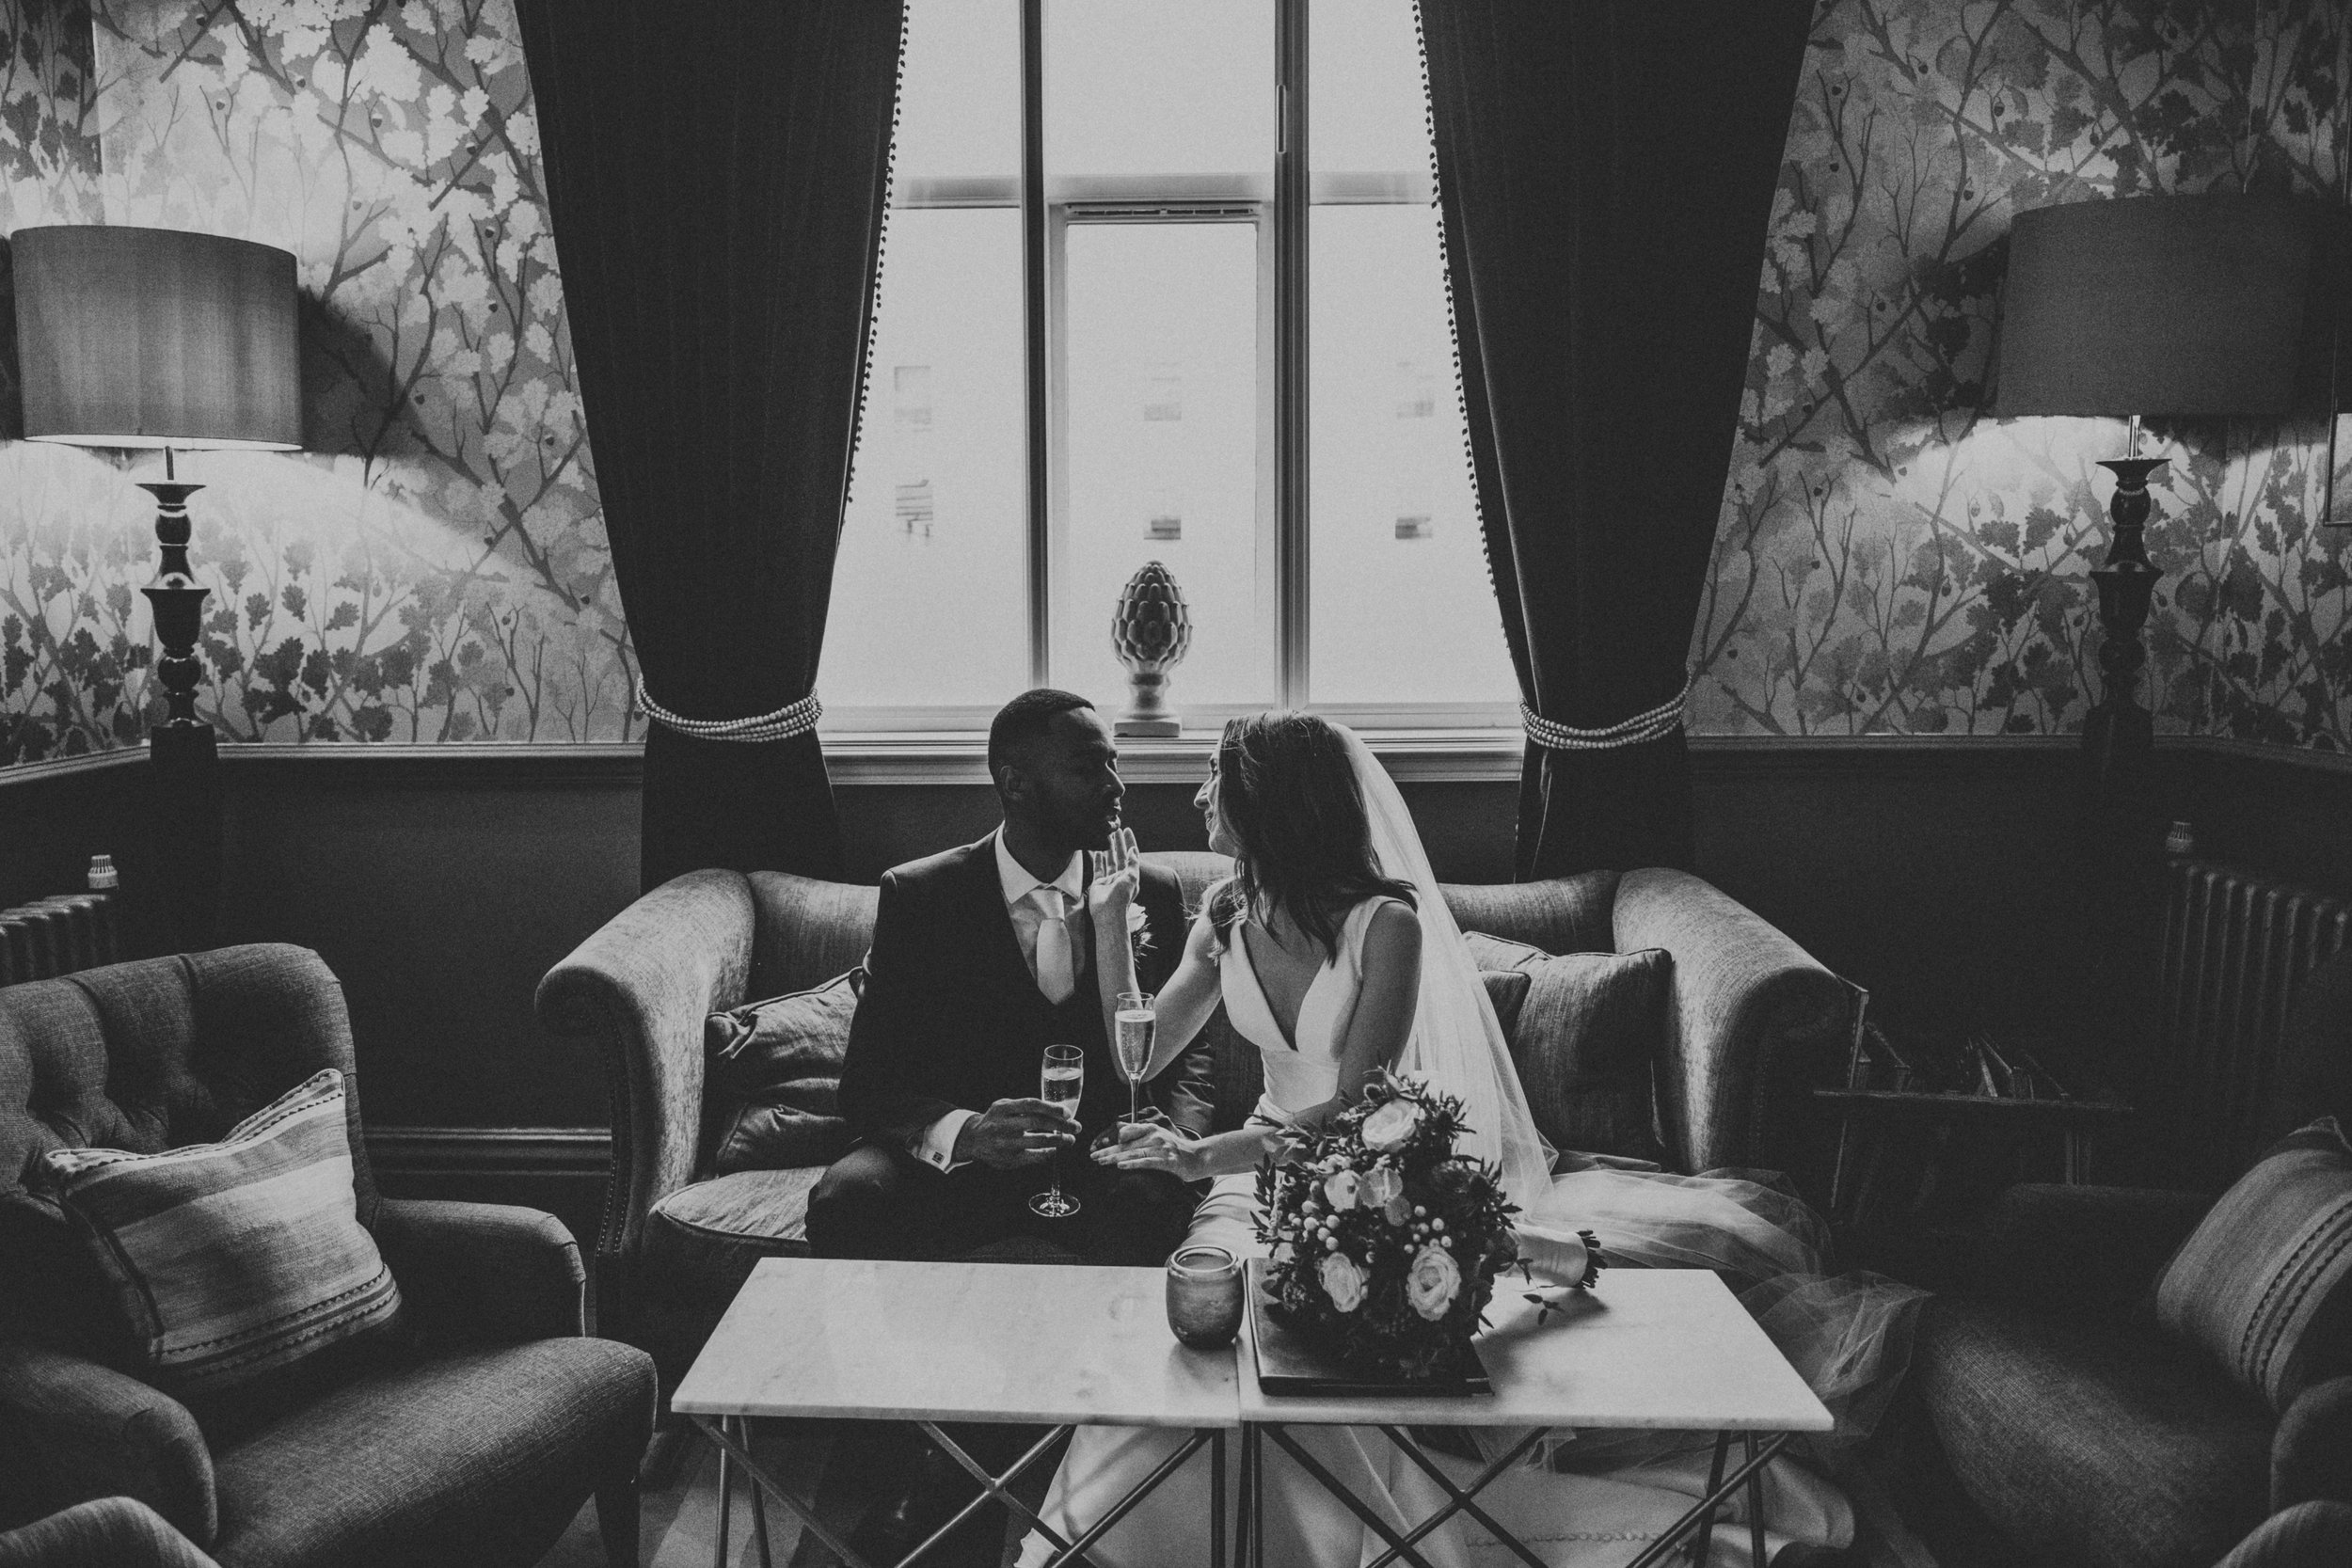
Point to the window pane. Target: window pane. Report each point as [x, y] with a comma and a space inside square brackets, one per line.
[1364, 90]
[1158, 88]
[959, 91]
[929, 592]
[1161, 454]
[1400, 610]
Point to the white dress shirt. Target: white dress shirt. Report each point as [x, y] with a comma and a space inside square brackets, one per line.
[938, 1146]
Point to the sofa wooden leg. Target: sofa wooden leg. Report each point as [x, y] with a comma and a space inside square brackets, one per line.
[618, 1522]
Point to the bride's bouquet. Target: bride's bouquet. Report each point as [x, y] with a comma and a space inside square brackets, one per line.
[1385, 1244]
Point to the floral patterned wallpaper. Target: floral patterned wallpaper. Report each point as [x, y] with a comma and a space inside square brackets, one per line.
[433, 567]
[1891, 560]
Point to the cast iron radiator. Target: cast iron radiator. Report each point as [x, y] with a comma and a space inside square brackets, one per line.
[56, 936]
[2235, 947]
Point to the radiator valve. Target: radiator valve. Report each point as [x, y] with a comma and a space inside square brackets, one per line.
[103, 876]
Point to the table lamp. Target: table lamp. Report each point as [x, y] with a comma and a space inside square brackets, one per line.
[2167, 305]
[159, 337]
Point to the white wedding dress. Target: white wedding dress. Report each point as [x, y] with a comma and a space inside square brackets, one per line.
[1604, 1494]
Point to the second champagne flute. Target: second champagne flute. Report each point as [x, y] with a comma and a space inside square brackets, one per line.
[1133, 1022]
[1061, 1081]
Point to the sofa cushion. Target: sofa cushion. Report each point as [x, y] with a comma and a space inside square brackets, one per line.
[234, 1261]
[2092, 1443]
[480, 1456]
[702, 1240]
[2263, 1286]
[1585, 1039]
[1507, 989]
[775, 1078]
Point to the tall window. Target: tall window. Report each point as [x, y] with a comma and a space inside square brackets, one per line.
[1159, 128]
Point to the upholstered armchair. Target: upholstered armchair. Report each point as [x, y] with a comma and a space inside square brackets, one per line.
[2050, 1421]
[476, 1439]
[1751, 1025]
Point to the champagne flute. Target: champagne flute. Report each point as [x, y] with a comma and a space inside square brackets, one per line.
[1133, 1020]
[1061, 1081]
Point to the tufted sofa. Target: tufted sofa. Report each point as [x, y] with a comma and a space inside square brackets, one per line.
[477, 1441]
[1753, 1023]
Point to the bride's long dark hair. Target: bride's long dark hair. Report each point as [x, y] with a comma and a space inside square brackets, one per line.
[1288, 795]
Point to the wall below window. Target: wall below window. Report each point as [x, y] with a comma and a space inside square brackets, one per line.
[1950, 879]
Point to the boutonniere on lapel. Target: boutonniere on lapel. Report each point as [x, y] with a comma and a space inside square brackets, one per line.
[1138, 931]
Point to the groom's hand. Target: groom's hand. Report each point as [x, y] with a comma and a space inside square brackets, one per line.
[1015, 1132]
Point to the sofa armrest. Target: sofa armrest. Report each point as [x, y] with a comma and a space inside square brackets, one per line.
[484, 1273]
[80, 1430]
[2079, 1250]
[640, 988]
[1754, 1025]
[2311, 1453]
[105, 1532]
[2308, 1535]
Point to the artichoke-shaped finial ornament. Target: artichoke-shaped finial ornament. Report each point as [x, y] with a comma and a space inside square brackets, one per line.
[1150, 633]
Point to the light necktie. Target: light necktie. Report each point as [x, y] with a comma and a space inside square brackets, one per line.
[1055, 975]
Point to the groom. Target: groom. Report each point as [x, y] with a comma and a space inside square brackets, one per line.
[983, 956]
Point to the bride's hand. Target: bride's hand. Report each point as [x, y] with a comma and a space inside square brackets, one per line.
[1148, 1145]
[1118, 874]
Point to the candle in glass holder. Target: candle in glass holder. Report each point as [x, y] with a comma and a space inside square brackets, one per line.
[1204, 1296]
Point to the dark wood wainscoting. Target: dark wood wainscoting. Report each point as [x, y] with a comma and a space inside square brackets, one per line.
[1952, 877]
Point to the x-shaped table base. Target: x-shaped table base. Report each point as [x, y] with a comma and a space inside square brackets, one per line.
[732, 1437]
[1698, 1524]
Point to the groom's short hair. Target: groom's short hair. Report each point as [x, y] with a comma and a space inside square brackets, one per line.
[1023, 719]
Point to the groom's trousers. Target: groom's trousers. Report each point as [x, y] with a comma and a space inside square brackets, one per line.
[878, 1201]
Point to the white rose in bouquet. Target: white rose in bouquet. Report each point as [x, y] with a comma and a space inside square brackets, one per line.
[1341, 1191]
[1344, 1281]
[1391, 1126]
[1433, 1282]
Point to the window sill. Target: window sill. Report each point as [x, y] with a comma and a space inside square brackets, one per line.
[960, 756]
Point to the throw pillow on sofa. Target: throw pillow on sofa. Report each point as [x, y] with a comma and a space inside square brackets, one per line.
[1585, 1040]
[2263, 1286]
[776, 1071]
[240, 1261]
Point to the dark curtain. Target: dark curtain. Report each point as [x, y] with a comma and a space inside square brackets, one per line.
[1606, 170]
[716, 170]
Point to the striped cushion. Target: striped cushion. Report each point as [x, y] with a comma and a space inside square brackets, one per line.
[2265, 1285]
[232, 1260]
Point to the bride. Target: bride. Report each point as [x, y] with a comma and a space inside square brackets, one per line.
[1334, 954]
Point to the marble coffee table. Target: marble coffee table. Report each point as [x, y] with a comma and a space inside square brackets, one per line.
[936, 1342]
[1654, 1349]
[1065, 1345]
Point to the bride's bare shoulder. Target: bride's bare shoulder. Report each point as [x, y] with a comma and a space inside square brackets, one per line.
[1393, 932]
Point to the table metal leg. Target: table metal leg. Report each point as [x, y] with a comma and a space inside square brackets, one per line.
[1245, 1507]
[759, 1501]
[727, 1501]
[1755, 1500]
[1656, 1550]
[1216, 1499]
[1257, 1504]
[1399, 1546]
[1705, 1540]
[1459, 1500]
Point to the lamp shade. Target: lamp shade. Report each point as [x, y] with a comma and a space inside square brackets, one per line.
[155, 337]
[2155, 305]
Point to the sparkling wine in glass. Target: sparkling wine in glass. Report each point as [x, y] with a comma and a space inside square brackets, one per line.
[1133, 1022]
[1060, 1082]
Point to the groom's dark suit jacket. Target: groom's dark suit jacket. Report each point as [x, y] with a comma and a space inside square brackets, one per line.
[950, 1016]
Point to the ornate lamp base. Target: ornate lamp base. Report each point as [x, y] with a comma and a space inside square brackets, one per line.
[2119, 732]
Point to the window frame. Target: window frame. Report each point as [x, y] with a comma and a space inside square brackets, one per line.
[1449, 740]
